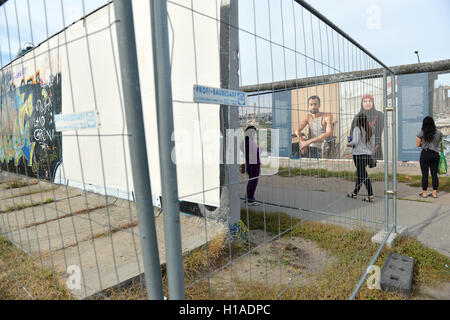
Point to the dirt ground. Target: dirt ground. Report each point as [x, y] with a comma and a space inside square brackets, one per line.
[441, 292]
[279, 263]
[288, 263]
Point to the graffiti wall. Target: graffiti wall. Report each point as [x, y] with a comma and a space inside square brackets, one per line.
[28, 103]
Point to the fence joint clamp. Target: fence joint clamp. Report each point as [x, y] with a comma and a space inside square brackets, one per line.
[389, 109]
[390, 192]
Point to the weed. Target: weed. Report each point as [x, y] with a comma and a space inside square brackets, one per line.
[27, 205]
[19, 184]
[22, 278]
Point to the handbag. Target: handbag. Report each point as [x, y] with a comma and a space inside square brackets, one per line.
[442, 166]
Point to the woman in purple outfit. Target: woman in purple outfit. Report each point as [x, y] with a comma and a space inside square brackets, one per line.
[252, 163]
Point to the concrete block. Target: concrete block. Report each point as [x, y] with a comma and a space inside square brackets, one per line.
[397, 273]
[380, 236]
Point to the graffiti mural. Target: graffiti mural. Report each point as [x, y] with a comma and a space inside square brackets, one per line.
[28, 138]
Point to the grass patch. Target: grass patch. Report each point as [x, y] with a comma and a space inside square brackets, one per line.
[19, 184]
[106, 233]
[27, 205]
[83, 211]
[21, 277]
[417, 200]
[413, 181]
[416, 181]
[123, 226]
[321, 173]
[30, 192]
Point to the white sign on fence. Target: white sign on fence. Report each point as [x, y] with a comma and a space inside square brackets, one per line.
[76, 121]
[204, 94]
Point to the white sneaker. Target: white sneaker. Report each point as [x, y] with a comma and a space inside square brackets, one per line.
[254, 203]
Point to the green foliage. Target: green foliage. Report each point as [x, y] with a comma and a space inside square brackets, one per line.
[413, 181]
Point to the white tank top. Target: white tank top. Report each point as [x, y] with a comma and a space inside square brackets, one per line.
[316, 130]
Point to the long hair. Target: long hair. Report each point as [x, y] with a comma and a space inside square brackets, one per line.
[248, 133]
[363, 123]
[428, 129]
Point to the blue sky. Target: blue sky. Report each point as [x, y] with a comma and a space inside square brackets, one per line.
[390, 29]
[17, 11]
[405, 26]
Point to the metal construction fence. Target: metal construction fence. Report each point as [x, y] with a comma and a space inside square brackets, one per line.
[190, 149]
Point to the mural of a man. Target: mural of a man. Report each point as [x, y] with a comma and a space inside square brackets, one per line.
[320, 127]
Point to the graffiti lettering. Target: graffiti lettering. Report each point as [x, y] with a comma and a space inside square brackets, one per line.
[26, 124]
[42, 136]
[20, 74]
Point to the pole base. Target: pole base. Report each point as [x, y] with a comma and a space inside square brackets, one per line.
[380, 236]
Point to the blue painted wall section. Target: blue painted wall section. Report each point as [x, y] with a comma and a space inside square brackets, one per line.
[412, 108]
[281, 120]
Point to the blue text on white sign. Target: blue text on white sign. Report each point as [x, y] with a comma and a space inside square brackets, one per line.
[203, 94]
[76, 121]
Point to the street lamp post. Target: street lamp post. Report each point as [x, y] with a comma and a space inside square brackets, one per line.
[417, 53]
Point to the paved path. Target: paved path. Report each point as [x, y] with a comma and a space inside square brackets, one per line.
[98, 234]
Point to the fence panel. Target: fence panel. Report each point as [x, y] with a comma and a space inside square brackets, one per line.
[67, 190]
[267, 217]
[296, 233]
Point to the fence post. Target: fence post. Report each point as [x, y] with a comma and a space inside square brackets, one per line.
[135, 125]
[394, 149]
[229, 55]
[386, 153]
[164, 111]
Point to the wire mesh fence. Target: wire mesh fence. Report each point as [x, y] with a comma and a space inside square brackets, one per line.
[269, 201]
[66, 184]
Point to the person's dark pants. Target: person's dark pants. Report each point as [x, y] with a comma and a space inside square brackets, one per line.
[253, 171]
[429, 160]
[361, 161]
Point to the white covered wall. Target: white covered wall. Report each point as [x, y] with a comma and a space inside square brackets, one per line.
[91, 81]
